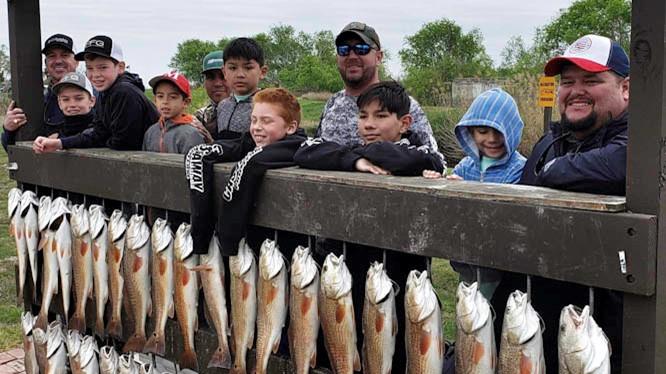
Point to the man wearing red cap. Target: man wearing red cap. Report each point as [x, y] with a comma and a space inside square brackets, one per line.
[587, 150]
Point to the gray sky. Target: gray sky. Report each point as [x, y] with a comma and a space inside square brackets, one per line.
[150, 30]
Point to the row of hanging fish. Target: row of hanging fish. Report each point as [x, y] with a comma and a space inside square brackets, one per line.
[59, 351]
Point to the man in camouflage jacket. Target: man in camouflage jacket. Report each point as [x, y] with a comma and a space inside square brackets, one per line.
[216, 88]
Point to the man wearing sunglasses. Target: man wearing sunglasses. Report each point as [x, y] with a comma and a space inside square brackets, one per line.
[359, 56]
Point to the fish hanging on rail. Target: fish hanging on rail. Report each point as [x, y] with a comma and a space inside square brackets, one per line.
[423, 325]
[583, 348]
[243, 293]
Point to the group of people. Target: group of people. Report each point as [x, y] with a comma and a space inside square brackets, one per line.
[368, 126]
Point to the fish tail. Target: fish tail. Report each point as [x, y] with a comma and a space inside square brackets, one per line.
[221, 358]
[99, 327]
[115, 328]
[155, 344]
[189, 360]
[78, 322]
[135, 343]
[42, 320]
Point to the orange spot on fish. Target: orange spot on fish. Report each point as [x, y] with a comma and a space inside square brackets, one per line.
[340, 313]
[138, 263]
[478, 353]
[54, 246]
[272, 294]
[84, 248]
[306, 304]
[116, 254]
[18, 234]
[96, 252]
[525, 365]
[185, 277]
[246, 290]
[29, 234]
[425, 341]
[163, 266]
[379, 323]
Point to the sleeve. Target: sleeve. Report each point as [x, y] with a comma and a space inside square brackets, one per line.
[459, 170]
[318, 130]
[401, 159]
[599, 170]
[8, 138]
[324, 155]
[189, 139]
[96, 137]
[126, 120]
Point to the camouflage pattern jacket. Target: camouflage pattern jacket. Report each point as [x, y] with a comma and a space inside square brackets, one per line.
[339, 123]
[207, 115]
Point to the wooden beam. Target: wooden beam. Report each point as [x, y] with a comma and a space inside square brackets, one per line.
[644, 347]
[554, 234]
[26, 64]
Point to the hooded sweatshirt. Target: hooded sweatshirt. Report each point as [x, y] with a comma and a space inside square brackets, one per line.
[173, 135]
[495, 109]
[123, 115]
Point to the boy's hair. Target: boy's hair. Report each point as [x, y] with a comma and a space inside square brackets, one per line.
[390, 95]
[246, 48]
[287, 104]
[93, 57]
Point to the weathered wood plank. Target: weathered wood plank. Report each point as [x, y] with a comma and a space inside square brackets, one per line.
[402, 214]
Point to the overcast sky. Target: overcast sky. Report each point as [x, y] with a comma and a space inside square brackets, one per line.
[150, 30]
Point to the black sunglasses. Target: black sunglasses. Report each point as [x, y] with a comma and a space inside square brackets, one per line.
[359, 49]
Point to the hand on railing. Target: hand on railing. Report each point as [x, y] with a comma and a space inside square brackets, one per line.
[46, 145]
[14, 118]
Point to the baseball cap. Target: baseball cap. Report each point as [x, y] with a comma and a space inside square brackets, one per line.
[59, 41]
[174, 77]
[102, 45]
[74, 79]
[213, 61]
[363, 31]
[592, 53]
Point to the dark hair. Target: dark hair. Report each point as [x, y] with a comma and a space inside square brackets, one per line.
[390, 95]
[246, 48]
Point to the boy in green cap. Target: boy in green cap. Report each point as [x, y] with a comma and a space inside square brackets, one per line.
[216, 88]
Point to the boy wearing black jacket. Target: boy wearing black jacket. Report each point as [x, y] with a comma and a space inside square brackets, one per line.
[123, 113]
[388, 145]
[389, 148]
[273, 139]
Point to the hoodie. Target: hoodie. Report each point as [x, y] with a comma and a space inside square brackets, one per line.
[173, 135]
[123, 115]
[495, 109]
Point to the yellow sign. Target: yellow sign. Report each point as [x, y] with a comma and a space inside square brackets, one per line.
[547, 92]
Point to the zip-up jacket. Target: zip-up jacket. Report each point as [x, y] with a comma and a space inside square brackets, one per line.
[230, 220]
[498, 110]
[404, 157]
[233, 117]
[174, 135]
[596, 164]
[123, 116]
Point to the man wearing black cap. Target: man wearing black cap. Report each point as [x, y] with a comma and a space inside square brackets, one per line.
[586, 151]
[359, 56]
[59, 60]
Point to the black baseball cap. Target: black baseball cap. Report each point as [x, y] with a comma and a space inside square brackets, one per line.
[102, 45]
[59, 41]
[361, 30]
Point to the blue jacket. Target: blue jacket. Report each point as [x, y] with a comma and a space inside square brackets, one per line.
[496, 109]
[598, 164]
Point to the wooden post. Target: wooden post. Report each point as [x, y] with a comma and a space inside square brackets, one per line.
[644, 348]
[26, 63]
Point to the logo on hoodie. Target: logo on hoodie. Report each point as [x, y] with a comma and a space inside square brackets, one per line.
[194, 164]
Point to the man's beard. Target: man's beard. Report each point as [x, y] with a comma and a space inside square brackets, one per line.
[365, 77]
[582, 124]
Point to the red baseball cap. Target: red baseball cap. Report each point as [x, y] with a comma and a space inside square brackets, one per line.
[174, 77]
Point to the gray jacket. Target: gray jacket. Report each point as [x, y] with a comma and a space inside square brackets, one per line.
[233, 117]
[171, 137]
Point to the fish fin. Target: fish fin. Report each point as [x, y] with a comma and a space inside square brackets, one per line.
[313, 359]
[220, 359]
[156, 344]
[525, 364]
[135, 344]
[172, 310]
[115, 329]
[276, 345]
[357, 360]
[12, 229]
[42, 242]
[250, 341]
[201, 268]
[78, 323]
[42, 321]
[189, 360]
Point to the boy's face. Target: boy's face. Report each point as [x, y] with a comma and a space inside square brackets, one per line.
[376, 124]
[75, 101]
[267, 125]
[216, 86]
[169, 100]
[489, 141]
[243, 75]
[103, 72]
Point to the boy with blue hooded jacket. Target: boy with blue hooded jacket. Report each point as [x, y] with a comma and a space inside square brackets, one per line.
[489, 134]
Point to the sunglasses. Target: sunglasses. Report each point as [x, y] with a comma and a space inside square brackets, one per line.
[359, 49]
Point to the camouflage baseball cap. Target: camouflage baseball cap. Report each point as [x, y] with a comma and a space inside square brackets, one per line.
[213, 61]
[363, 31]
